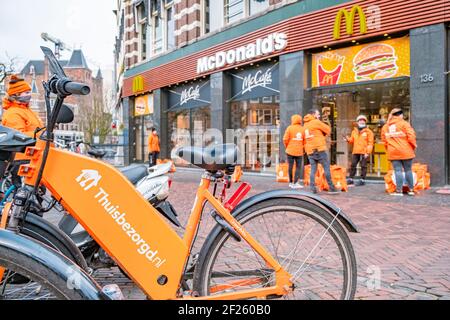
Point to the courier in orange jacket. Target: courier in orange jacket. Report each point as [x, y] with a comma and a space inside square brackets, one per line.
[362, 140]
[316, 147]
[293, 141]
[400, 141]
[153, 147]
[17, 113]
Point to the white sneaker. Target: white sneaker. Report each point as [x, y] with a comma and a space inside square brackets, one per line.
[398, 194]
[291, 185]
[298, 186]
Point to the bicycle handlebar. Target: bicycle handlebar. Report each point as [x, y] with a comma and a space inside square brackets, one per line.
[67, 87]
[77, 88]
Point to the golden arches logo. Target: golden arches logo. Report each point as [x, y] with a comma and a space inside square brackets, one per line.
[349, 21]
[327, 80]
[138, 84]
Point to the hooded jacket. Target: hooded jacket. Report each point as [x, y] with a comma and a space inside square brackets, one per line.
[315, 133]
[399, 138]
[362, 141]
[20, 117]
[293, 137]
[153, 143]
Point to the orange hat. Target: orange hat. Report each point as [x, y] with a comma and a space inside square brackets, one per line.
[17, 86]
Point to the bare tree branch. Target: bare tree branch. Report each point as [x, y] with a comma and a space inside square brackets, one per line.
[7, 67]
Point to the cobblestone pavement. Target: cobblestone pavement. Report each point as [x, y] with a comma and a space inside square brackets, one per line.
[405, 239]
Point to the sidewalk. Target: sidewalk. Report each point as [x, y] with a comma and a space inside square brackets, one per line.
[406, 239]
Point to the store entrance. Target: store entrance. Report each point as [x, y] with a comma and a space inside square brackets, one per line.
[341, 105]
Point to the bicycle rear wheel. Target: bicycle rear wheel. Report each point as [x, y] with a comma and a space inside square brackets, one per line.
[305, 239]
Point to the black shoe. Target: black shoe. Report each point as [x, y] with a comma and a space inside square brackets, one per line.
[349, 181]
[360, 182]
[333, 190]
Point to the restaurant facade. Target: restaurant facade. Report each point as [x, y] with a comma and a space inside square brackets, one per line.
[345, 58]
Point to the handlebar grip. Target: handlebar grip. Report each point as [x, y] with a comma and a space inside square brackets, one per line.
[77, 88]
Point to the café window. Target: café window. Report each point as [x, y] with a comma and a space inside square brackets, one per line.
[369, 79]
[341, 106]
[255, 116]
[189, 117]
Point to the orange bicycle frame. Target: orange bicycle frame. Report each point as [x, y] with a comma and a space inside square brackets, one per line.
[129, 228]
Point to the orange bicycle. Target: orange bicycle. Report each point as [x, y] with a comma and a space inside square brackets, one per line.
[278, 244]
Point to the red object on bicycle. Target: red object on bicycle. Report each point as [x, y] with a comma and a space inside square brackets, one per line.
[238, 195]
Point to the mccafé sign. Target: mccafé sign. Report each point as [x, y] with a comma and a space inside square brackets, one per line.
[371, 19]
[261, 47]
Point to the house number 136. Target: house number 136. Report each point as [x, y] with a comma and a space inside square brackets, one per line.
[427, 77]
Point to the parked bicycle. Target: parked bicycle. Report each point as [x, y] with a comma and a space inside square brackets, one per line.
[277, 244]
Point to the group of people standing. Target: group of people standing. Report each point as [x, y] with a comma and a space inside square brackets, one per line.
[309, 138]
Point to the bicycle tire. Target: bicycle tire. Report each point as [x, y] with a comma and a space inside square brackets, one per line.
[216, 240]
[55, 241]
[37, 272]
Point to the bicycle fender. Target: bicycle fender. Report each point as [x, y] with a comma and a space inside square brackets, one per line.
[60, 235]
[53, 260]
[305, 196]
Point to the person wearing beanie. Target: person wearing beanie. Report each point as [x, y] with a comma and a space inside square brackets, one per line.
[293, 141]
[16, 105]
[400, 141]
[362, 140]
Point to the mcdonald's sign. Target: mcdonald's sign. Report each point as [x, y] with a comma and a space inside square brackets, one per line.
[349, 18]
[138, 84]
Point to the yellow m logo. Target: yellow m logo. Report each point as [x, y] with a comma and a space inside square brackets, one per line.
[349, 21]
[327, 80]
[138, 84]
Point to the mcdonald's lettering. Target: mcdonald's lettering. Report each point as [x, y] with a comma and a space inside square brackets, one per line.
[349, 18]
[138, 84]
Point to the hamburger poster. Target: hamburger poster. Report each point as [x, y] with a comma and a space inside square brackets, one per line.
[379, 60]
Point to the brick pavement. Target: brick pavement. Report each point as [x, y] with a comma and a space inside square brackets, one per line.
[406, 239]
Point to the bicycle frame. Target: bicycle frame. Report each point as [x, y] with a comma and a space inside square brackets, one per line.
[128, 228]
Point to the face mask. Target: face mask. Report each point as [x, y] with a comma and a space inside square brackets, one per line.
[23, 99]
[361, 125]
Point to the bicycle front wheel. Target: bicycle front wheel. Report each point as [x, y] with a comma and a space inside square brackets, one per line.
[305, 239]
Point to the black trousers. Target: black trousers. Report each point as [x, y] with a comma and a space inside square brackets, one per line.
[299, 168]
[152, 158]
[320, 157]
[359, 158]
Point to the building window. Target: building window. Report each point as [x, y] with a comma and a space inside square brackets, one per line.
[141, 28]
[157, 34]
[231, 10]
[170, 29]
[213, 13]
[143, 41]
[234, 10]
[258, 6]
[257, 131]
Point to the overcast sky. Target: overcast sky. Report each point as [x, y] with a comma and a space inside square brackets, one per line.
[89, 24]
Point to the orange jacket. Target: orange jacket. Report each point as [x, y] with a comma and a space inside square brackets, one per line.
[293, 137]
[20, 117]
[315, 133]
[399, 138]
[362, 141]
[153, 143]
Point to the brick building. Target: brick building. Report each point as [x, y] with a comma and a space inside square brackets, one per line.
[244, 67]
